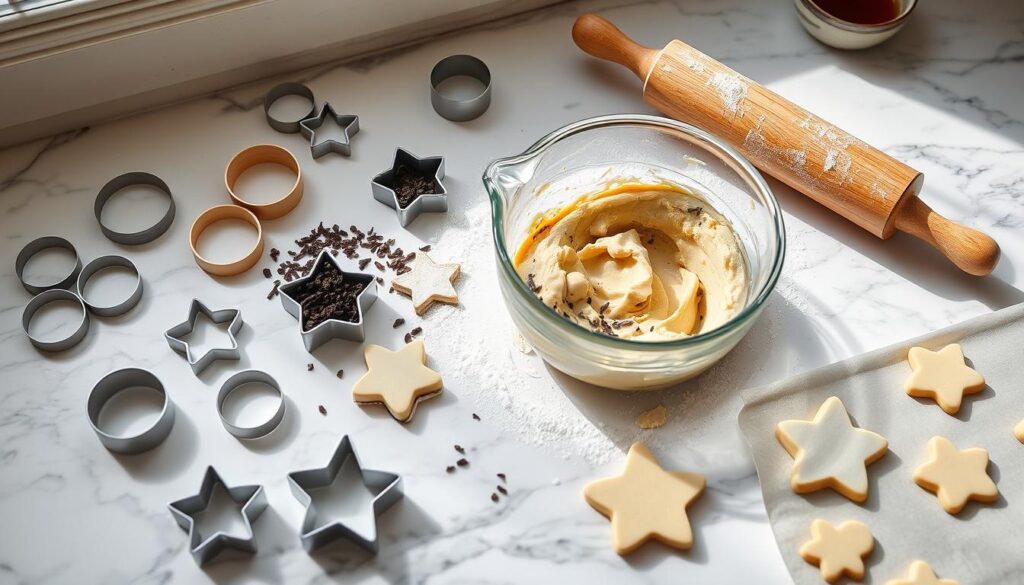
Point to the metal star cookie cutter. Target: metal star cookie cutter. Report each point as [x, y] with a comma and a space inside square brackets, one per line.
[348, 124]
[431, 166]
[174, 335]
[387, 485]
[253, 500]
[331, 328]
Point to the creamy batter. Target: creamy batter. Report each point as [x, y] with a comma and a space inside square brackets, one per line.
[645, 262]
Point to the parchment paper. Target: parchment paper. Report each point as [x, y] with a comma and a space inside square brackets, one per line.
[984, 544]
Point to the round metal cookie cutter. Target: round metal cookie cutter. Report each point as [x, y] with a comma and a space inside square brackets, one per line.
[212, 216]
[118, 381]
[50, 296]
[38, 245]
[459, 109]
[240, 379]
[279, 91]
[110, 261]
[259, 154]
[127, 180]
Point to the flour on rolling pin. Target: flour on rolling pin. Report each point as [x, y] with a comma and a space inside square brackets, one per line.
[731, 89]
[855, 180]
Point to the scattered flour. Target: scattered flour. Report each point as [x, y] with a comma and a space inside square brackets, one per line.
[693, 63]
[759, 147]
[879, 191]
[731, 90]
[834, 143]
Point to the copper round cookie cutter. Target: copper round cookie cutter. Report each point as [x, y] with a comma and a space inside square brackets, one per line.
[259, 154]
[220, 213]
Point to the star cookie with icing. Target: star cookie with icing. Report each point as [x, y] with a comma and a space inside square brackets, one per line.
[428, 282]
[829, 452]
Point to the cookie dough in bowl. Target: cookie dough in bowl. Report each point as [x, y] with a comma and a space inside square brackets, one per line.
[633, 251]
[644, 262]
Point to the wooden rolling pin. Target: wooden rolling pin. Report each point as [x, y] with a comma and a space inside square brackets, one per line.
[855, 180]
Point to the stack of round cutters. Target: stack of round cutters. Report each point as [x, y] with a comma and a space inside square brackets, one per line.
[64, 289]
[247, 211]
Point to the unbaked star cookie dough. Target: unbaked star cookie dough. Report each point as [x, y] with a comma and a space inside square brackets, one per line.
[942, 376]
[646, 502]
[956, 476]
[838, 551]
[922, 574]
[829, 452]
[397, 379]
[648, 262]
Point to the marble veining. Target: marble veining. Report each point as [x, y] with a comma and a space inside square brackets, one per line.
[943, 95]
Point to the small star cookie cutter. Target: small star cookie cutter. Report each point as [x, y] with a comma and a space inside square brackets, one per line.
[314, 534]
[349, 126]
[330, 328]
[432, 166]
[175, 334]
[253, 500]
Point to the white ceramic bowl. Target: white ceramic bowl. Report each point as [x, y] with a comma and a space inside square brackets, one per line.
[842, 34]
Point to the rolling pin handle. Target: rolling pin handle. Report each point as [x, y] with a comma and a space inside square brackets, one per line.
[602, 39]
[972, 251]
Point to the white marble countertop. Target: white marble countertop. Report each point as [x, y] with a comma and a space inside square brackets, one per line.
[944, 96]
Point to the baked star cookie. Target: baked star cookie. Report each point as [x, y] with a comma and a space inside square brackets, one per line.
[956, 476]
[646, 502]
[1018, 431]
[922, 574]
[838, 551]
[829, 452]
[942, 376]
[428, 282]
[397, 379]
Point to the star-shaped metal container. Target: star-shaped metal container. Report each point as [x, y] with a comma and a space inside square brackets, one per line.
[316, 532]
[175, 336]
[383, 186]
[330, 328]
[253, 501]
[349, 127]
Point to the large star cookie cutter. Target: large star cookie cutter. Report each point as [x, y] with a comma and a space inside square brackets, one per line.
[329, 328]
[175, 335]
[253, 501]
[383, 186]
[316, 533]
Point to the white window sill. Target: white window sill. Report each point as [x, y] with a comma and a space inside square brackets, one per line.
[69, 64]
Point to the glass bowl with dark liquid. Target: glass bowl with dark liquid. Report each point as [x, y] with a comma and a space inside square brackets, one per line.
[853, 24]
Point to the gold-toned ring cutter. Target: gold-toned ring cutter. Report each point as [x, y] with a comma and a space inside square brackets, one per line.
[220, 213]
[259, 154]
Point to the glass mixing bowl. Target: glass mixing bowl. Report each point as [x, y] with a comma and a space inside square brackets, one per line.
[584, 158]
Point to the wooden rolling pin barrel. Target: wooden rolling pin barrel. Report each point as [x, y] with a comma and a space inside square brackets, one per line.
[850, 177]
